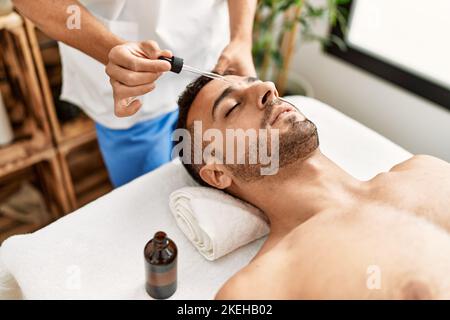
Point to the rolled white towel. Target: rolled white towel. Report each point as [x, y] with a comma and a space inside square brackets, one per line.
[215, 222]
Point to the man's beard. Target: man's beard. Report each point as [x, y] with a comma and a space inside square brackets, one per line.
[297, 143]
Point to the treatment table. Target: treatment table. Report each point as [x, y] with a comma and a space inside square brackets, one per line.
[96, 252]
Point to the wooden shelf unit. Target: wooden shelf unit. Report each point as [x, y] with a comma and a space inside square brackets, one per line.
[62, 132]
[32, 136]
[72, 137]
[62, 158]
[47, 177]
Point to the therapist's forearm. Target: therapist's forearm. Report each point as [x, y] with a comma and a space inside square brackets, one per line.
[242, 13]
[51, 16]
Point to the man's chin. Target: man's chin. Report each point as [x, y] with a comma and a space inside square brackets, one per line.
[298, 142]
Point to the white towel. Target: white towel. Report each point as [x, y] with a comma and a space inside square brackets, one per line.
[215, 222]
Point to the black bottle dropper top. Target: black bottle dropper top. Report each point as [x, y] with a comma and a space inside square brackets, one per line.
[175, 62]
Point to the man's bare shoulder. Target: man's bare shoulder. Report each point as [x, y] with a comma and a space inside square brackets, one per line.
[421, 162]
[238, 287]
[250, 282]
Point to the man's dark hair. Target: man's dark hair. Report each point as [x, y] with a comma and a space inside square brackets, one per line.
[185, 102]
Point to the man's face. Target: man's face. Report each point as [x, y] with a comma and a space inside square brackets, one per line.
[242, 103]
[247, 103]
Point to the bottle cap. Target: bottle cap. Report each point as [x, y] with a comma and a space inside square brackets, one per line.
[175, 62]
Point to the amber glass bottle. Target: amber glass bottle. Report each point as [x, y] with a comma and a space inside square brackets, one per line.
[160, 255]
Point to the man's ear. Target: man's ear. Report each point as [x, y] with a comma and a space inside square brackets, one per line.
[215, 176]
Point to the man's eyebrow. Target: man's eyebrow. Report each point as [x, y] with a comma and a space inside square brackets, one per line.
[222, 96]
[226, 93]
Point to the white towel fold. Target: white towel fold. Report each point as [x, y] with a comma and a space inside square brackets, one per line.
[215, 222]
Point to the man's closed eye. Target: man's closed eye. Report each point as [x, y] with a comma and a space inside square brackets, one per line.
[232, 109]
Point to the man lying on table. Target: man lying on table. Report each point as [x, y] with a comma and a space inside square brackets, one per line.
[331, 234]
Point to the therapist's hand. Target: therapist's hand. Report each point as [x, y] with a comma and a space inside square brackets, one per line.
[236, 59]
[133, 69]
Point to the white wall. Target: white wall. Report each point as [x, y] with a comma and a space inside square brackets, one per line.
[414, 123]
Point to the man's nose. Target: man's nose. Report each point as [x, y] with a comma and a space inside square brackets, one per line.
[265, 92]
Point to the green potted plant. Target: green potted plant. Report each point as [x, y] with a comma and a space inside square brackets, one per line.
[278, 24]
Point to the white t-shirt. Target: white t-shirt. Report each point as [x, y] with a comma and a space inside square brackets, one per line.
[195, 30]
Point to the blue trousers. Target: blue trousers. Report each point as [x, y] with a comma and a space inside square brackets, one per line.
[142, 148]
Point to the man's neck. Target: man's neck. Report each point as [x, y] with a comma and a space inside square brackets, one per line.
[303, 189]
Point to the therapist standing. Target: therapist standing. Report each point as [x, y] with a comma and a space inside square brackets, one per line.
[125, 37]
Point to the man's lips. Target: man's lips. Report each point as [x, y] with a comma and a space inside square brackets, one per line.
[278, 112]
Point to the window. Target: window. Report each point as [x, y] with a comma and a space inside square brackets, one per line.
[403, 41]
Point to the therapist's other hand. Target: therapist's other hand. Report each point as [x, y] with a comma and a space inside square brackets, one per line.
[236, 59]
[133, 69]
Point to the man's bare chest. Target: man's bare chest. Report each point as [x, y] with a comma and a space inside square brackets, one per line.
[418, 189]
